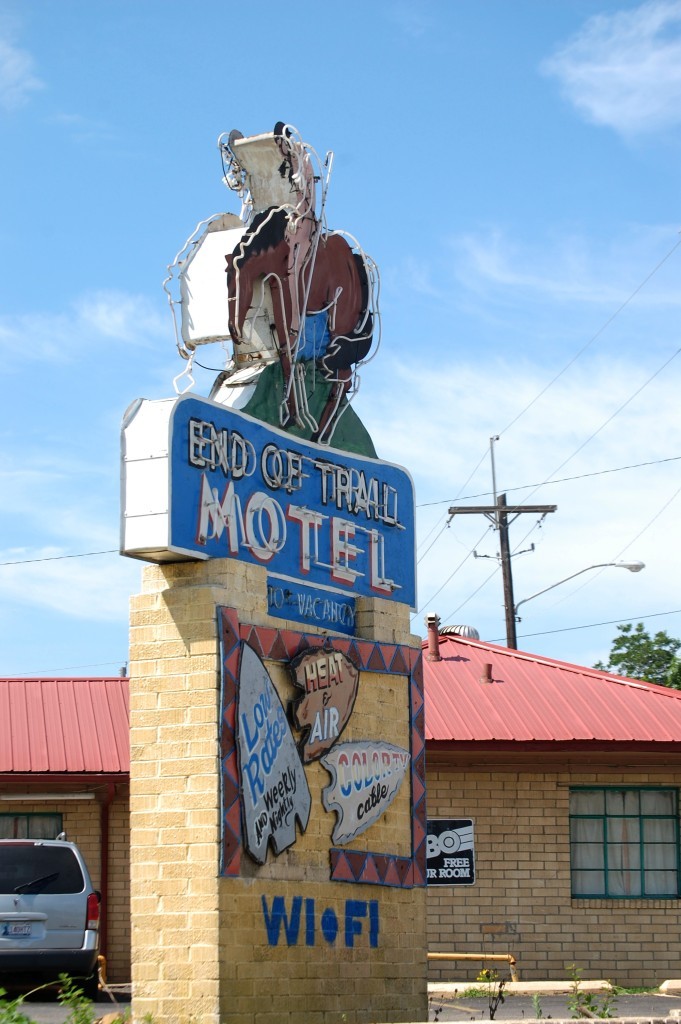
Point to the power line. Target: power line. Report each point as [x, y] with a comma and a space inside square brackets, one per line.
[579, 449]
[552, 382]
[565, 629]
[632, 541]
[433, 596]
[597, 335]
[615, 413]
[491, 575]
[425, 504]
[650, 521]
[594, 625]
[549, 479]
[576, 590]
[620, 408]
[498, 515]
[434, 541]
[562, 480]
[68, 668]
[466, 481]
[58, 558]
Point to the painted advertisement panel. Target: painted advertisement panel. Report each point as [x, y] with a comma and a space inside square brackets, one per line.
[275, 791]
[269, 792]
[366, 777]
[329, 681]
[450, 855]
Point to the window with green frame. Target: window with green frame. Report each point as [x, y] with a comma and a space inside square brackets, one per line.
[30, 826]
[624, 843]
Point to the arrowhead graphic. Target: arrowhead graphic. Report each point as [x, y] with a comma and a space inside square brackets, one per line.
[274, 790]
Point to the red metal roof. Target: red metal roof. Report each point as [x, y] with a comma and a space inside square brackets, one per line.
[64, 725]
[533, 699]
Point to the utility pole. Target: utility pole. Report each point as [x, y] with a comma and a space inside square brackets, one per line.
[498, 514]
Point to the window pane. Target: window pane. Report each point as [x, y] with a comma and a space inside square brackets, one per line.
[654, 801]
[44, 826]
[587, 855]
[587, 830]
[30, 826]
[14, 826]
[622, 856]
[661, 883]
[587, 801]
[659, 830]
[20, 865]
[622, 801]
[588, 883]
[624, 830]
[661, 856]
[7, 826]
[624, 883]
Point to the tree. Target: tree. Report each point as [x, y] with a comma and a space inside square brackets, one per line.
[638, 655]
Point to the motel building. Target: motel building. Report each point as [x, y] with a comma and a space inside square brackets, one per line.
[552, 802]
[553, 815]
[65, 767]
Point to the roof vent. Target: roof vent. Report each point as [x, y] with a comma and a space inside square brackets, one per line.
[486, 676]
[467, 631]
[432, 621]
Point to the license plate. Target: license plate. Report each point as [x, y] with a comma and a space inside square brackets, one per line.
[18, 929]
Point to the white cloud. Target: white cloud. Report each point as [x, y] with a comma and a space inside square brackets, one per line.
[95, 318]
[624, 70]
[55, 504]
[87, 130]
[568, 269]
[93, 589]
[565, 273]
[411, 18]
[446, 414]
[130, 318]
[17, 76]
[562, 285]
[438, 420]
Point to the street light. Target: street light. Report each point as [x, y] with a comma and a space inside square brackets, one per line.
[631, 566]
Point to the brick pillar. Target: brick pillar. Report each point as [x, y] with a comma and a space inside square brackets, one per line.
[202, 949]
[174, 776]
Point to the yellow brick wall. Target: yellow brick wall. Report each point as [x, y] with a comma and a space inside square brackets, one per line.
[200, 950]
[118, 922]
[321, 983]
[521, 901]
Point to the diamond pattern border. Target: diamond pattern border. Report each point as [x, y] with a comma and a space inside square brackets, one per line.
[371, 868]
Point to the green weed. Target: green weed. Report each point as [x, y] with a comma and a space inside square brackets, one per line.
[494, 989]
[587, 1004]
[10, 1010]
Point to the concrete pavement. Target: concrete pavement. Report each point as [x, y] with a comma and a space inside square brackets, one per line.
[448, 1001]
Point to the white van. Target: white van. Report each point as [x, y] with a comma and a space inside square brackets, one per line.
[49, 913]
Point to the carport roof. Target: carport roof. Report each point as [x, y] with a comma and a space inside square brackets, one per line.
[532, 700]
[64, 725]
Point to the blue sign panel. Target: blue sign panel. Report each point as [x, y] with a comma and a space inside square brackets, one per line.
[291, 600]
[241, 489]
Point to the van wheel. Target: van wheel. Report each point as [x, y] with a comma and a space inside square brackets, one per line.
[90, 986]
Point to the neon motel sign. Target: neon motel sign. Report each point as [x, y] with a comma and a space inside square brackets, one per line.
[201, 480]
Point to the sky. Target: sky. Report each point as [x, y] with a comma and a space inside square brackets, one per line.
[513, 170]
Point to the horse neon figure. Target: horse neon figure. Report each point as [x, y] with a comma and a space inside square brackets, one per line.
[307, 276]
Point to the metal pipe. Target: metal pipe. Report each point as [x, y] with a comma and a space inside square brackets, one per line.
[506, 957]
[105, 806]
